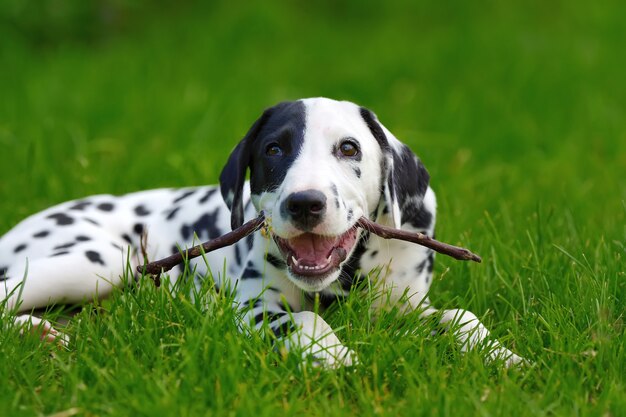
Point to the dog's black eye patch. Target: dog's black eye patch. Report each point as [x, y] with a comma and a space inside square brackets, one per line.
[278, 143]
[276, 147]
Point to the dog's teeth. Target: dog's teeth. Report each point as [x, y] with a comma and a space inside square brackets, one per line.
[294, 260]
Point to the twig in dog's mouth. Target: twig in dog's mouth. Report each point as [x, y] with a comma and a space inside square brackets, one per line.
[386, 232]
[163, 265]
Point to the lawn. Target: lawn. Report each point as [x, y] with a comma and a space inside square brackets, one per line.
[517, 110]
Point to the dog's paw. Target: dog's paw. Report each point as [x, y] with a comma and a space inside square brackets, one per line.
[335, 358]
[41, 328]
[317, 343]
[507, 358]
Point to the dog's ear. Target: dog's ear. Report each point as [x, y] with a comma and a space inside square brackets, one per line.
[233, 176]
[404, 180]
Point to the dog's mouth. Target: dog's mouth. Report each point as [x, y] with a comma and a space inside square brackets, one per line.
[315, 256]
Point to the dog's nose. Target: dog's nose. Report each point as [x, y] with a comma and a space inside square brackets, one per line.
[304, 208]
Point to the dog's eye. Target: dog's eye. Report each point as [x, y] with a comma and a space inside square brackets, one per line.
[273, 150]
[348, 149]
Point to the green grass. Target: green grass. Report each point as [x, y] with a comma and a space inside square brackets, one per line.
[517, 110]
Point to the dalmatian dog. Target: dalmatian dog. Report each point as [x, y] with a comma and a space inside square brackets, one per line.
[316, 166]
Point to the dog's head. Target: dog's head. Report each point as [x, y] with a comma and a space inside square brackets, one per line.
[317, 166]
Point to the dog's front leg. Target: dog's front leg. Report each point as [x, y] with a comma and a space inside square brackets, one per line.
[317, 340]
[407, 286]
[275, 305]
[471, 333]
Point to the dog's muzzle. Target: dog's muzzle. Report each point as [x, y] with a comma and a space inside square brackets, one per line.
[309, 254]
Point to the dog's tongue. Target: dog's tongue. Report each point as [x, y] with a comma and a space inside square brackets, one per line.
[313, 255]
[312, 249]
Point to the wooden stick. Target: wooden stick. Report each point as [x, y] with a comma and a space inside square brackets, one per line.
[163, 265]
[385, 232]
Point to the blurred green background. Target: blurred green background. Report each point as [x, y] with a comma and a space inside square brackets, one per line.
[521, 102]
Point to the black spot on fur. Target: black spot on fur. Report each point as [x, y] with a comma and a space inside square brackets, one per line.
[92, 221]
[250, 272]
[64, 246]
[259, 317]
[62, 219]
[41, 234]
[431, 261]
[374, 253]
[285, 306]
[138, 228]
[186, 231]
[275, 262]
[416, 215]
[205, 227]
[250, 241]
[64, 252]
[269, 316]
[105, 206]
[237, 255]
[20, 248]
[175, 249]
[183, 196]
[419, 268]
[127, 238]
[3, 271]
[248, 303]
[82, 238]
[409, 181]
[94, 257]
[357, 172]
[349, 277]
[116, 246]
[141, 210]
[284, 329]
[172, 213]
[207, 195]
[350, 215]
[80, 205]
[326, 299]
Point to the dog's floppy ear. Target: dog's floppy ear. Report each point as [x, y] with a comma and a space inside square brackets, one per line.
[233, 176]
[404, 179]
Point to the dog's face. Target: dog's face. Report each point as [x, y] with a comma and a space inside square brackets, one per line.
[316, 166]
